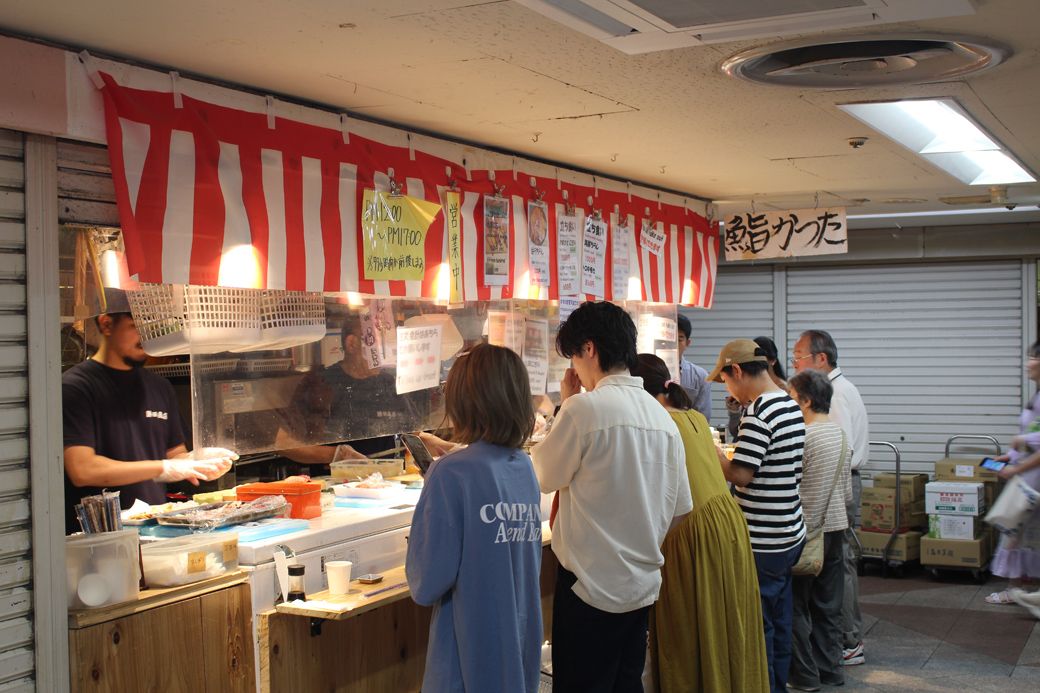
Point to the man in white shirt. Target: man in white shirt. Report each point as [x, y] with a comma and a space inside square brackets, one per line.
[616, 459]
[692, 377]
[816, 350]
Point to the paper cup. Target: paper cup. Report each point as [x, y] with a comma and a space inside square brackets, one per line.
[339, 576]
[93, 590]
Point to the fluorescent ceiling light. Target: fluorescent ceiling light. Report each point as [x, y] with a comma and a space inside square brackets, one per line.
[940, 131]
[942, 213]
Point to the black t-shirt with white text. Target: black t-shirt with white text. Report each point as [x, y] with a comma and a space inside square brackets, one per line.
[126, 415]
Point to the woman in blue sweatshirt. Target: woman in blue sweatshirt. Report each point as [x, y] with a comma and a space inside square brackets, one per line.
[475, 549]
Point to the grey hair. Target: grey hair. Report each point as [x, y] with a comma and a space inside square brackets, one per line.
[821, 342]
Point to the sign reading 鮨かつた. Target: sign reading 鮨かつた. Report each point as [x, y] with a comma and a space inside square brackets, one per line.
[754, 236]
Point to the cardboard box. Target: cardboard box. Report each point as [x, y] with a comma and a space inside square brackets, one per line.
[953, 469]
[912, 485]
[956, 553]
[881, 517]
[954, 527]
[954, 498]
[907, 546]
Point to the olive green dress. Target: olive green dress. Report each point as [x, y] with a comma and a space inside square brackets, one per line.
[706, 628]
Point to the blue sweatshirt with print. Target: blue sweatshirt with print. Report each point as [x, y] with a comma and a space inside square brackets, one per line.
[475, 554]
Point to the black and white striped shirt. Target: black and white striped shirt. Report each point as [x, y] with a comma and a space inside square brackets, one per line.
[770, 440]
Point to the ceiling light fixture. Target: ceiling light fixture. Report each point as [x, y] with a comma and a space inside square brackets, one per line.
[942, 213]
[942, 132]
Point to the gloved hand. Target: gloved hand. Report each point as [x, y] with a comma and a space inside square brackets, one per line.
[205, 464]
[345, 452]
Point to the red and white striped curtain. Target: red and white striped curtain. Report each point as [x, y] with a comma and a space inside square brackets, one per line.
[195, 181]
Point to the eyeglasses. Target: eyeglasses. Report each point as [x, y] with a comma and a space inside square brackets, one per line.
[796, 359]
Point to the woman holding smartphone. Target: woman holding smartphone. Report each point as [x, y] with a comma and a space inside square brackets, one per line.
[475, 548]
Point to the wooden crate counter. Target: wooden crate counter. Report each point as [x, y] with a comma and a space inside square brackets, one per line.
[377, 646]
[194, 638]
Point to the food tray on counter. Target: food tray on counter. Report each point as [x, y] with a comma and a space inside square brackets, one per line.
[213, 515]
[353, 490]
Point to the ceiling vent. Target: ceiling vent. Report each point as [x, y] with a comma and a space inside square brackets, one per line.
[857, 62]
[646, 26]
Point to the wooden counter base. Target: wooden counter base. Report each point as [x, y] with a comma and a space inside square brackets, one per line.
[380, 650]
[194, 639]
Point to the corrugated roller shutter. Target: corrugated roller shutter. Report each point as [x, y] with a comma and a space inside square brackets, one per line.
[935, 349]
[85, 191]
[16, 626]
[743, 307]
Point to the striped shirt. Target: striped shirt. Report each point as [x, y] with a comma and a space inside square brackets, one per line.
[770, 441]
[822, 452]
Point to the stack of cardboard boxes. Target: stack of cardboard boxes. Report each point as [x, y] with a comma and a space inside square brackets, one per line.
[878, 516]
[956, 503]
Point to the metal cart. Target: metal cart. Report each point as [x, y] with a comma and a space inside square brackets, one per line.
[977, 574]
[887, 563]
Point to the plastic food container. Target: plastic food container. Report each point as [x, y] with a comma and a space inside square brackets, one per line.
[353, 470]
[304, 496]
[173, 562]
[102, 569]
[351, 490]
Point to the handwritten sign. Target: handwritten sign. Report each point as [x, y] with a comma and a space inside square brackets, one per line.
[453, 229]
[394, 230]
[568, 304]
[538, 243]
[568, 257]
[371, 341]
[496, 241]
[536, 356]
[652, 237]
[751, 236]
[593, 256]
[620, 254]
[418, 358]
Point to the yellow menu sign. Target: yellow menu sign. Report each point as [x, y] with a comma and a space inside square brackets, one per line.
[394, 229]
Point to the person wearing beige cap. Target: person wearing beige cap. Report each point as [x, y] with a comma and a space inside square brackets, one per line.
[767, 470]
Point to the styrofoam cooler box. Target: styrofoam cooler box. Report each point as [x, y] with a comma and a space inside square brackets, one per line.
[954, 526]
[954, 498]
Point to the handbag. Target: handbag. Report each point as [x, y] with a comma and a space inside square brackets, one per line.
[1014, 506]
[811, 560]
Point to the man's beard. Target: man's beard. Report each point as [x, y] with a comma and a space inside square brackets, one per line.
[134, 363]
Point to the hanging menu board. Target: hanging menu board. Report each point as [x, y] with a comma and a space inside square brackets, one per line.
[593, 257]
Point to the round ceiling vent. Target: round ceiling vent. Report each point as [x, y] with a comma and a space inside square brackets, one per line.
[855, 62]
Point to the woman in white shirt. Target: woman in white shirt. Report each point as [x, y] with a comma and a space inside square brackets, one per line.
[817, 599]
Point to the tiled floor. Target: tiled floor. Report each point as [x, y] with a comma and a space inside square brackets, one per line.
[923, 634]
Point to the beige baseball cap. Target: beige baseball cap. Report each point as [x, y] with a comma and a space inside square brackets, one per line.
[737, 351]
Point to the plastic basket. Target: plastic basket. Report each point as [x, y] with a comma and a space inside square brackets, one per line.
[256, 366]
[158, 311]
[219, 318]
[290, 318]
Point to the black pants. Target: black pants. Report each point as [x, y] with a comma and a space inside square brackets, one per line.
[817, 619]
[595, 651]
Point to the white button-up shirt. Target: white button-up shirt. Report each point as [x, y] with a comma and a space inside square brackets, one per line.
[617, 460]
[847, 411]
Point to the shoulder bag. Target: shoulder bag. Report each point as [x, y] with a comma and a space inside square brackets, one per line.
[811, 561]
[1014, 506]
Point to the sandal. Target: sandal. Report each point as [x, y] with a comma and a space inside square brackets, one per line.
[999, 598]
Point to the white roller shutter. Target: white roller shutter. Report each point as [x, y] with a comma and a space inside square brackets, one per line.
[16, 625]
[743, 307]
[935, 349]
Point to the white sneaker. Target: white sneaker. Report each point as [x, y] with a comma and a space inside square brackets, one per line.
[852, 656]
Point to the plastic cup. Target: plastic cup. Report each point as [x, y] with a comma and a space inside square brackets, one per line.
[339, 576]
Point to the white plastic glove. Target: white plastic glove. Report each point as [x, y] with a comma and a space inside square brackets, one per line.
[204, 464]
[345, 452]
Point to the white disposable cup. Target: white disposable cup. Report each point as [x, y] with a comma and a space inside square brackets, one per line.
[117, 573]
[339, 576]
[93, 590]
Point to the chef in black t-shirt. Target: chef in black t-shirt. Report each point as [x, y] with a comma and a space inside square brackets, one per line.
[348, 400]
[121, 426]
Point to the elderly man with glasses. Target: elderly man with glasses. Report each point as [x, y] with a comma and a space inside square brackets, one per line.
[815, 350]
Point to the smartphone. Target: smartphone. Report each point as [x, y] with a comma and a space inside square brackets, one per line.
[370, 578]
[992, 464]
[419, 451]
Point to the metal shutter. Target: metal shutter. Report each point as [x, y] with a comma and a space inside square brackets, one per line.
[743, 307]
[935, 349]
[16, 626]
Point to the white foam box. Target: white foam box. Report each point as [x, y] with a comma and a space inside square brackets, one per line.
[954, 498]
[954, 526]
